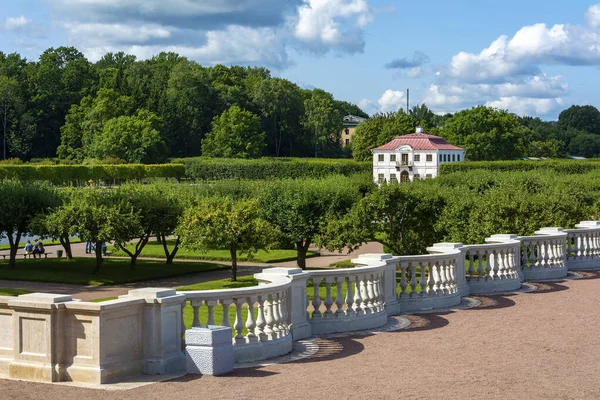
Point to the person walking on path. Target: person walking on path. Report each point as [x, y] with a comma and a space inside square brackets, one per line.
[38, 248]
[88, 247]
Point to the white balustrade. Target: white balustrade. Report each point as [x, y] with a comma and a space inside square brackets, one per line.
[583, 246]
[543, 256]
[347, 299]
[260, 316]
[492, 267]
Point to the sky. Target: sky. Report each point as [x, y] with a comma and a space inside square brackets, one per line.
[530, 57]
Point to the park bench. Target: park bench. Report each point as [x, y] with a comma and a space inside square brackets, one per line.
[25, 255]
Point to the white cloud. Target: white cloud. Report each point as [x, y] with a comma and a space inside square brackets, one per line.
[15, 23]
[391, 100]
[224, 31]
[336, 24]
[367, 106]
[508, 73]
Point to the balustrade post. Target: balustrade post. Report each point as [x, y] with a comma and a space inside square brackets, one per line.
[518, 257]
[460, 273]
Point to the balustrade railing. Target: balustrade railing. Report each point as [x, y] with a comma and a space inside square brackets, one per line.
[583, 245]
[427, 275]
[491, 262]
[543, 256]
[346, 296]
[258, 314]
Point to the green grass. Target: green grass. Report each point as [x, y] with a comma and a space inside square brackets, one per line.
[155, 250]
[342, 264]
[113, 271]
[13, 292]
[4, 247]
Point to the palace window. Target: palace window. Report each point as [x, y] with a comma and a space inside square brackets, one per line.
[393, 178]
[416, 177]
[381, 157]
[453, 157]
[428, 176]
[458, 157]
[417, 157]
[392, 158]
[380, 178]
[429, 157]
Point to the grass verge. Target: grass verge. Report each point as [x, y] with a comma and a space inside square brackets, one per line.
[155, 250]
[13, 292]
[113, 271]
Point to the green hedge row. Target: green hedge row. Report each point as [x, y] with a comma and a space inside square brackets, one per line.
[84, 173]
[560, 166]
[269, 168]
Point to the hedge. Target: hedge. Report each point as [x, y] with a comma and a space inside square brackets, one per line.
[560, 166]
[211, 169]
[69, 173]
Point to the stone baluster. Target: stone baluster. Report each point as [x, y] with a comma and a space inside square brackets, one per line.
[250, 323]
[225, 304]
[377, 291]
[316, 302]
[452, 273]
[481, 272]
[276, 316]
[489, 265]
[534, 252]
[471, 264]
[371, 294]
[260, 320]
[238, 326]
[283, 313]
[570, 246]
[357, 297]
[269, 331]
[443, 286]
[349, 297]
[403, 268]
[578, 244]
[328, 298]
[339, 298]
[196, 308]
[413, 278]
[424, 282]
[365, 306]
[211, 311]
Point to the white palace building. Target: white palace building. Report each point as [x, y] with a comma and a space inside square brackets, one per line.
[413, 156]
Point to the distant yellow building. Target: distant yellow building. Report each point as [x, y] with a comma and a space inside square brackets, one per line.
[350, 124]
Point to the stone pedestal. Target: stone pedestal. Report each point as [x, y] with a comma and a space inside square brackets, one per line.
[209, 350]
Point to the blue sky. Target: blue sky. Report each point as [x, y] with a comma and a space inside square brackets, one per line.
[531, 57]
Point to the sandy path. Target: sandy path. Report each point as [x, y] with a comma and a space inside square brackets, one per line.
[536, 345]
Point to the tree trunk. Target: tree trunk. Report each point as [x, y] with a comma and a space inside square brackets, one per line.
[301, 250]
[170, 255]
[132, 262]
[233, 252]
[66, 244]
[99, 258]
[14, 246]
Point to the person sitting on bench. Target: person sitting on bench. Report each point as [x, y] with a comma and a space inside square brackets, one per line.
[38, 248]
[28, 247]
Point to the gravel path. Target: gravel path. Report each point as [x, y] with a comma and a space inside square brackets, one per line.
[537, 345]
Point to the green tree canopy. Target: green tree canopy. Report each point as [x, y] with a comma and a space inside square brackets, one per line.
[135, 139]
[487, 134]
[581, 118]
[235, 134]
[378, 130]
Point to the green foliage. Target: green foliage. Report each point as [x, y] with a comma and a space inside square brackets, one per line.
[585, 145]
[322, 120]
[487, 134]
[561, 166]
[301, 208]
[269, 168]
[60, 174]
[581, 118]
[223, 223]
[235, 134]
[377, 131]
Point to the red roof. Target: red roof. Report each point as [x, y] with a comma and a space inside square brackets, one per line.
[419, 141]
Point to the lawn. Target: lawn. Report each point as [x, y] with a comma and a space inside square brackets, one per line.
[13, 292]
[113, 271]
[155, 250]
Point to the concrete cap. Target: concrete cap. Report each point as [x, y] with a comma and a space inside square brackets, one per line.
[501, 237]
[587, 224]
[446, 245]
[152, 293]
[282, 271]
[46, 298]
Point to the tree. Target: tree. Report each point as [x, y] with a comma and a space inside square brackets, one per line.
[301, 209]
[218, 223]
[323, 121]
[100, 217]
[281, 107]
[9, 100]
[378, 130]
[135, 139]
[547, 148]
[581, 118]
[585, 145]
[344, 108]
[401, 217]
[57, 222]
[20, 202]
[487, 134]
[235, 134]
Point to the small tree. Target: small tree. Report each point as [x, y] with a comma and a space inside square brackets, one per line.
[100, 217]
[301, 209]
[223, 223]
[401, 217]
[19, 203]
